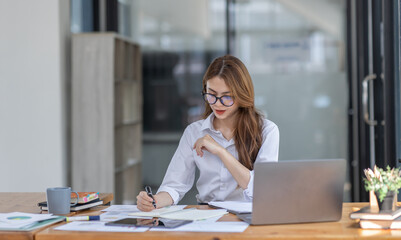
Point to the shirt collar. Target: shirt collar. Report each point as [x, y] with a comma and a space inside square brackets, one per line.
[208, 123]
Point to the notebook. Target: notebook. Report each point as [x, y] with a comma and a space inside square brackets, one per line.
[297, 192]
[79, 206]
[367, 214]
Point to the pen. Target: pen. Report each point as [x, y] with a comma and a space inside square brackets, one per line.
[149, 192]
[82, 218]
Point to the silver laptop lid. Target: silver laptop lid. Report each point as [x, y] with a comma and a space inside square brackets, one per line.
[298, 191]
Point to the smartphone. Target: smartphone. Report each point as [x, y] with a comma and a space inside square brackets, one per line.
[144, 222]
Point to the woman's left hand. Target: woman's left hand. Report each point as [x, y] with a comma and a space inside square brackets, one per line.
[209, 144]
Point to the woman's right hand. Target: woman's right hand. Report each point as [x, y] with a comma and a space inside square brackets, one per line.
[144, 202]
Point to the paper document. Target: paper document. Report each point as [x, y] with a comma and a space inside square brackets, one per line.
[114, 216]
[159, 212]
[98, 227]
[20, 220]
[200, 226]
[121, 208]
[234, 206]
[194, 214]
[210, 220]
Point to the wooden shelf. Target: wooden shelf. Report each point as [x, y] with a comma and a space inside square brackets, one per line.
[107, 115]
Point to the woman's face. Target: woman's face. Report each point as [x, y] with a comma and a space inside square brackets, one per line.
[218, 87]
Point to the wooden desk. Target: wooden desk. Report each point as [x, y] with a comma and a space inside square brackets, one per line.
[27, 202]
[344, 229]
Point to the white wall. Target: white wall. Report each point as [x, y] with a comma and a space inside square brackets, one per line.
[34, 62]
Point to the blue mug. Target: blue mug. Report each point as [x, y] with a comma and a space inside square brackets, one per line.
[59, 200]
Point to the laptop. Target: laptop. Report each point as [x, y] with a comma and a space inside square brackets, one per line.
[298, 191]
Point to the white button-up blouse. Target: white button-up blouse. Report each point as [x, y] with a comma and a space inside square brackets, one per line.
[215, 182]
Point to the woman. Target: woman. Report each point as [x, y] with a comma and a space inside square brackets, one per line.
[224, 145]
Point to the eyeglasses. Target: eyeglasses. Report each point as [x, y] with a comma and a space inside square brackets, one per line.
[227, 101]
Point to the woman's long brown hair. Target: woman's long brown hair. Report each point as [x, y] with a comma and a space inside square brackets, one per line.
[248, 129]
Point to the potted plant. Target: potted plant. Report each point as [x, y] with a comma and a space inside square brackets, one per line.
[385, 185]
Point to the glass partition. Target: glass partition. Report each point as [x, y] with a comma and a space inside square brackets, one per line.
[295, 52]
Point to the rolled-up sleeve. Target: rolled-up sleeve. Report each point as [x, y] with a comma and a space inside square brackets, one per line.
[268, 152]
[180, 173]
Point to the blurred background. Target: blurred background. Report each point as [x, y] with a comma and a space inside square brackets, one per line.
[95, 94]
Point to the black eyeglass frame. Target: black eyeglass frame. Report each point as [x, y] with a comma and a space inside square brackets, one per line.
[217, 98]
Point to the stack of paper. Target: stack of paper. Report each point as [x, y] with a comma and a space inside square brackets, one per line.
[121, 208]
[174, 212]
[194, 214]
